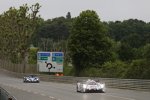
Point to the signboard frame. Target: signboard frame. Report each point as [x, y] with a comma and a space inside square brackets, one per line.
[50, 61]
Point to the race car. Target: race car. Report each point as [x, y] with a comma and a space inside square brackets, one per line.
[90, 86]
[31, 79]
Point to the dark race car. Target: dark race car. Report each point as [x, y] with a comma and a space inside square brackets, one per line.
[31, 79]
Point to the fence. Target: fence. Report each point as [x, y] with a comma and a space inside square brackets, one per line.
[8, 65]
[4, 95]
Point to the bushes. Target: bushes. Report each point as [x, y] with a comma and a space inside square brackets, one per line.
[115, 69]
[91, 72]
[68, 70]
[139, 69]
[32, 59]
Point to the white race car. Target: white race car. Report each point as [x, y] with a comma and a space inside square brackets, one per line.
[90, 86]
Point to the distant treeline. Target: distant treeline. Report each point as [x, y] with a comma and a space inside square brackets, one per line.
[131, 45]
[119, 49]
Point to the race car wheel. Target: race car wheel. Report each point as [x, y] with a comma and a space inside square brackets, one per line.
[83, 90]
[103, 91]
[77, 89]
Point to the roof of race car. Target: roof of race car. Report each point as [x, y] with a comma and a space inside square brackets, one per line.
[88, 81]
[31, 76]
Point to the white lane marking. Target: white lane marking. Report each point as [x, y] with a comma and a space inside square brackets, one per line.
[43, 94]
[119, 97]
[35, 92]
[51, 97]
[28, 90]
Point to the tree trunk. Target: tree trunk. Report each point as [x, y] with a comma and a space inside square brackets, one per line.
[25, 61]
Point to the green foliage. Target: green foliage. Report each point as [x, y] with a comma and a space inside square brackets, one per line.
[143, 52]
[68, 69]
[52, 34]
[115, 69]
[139, 69]
[32, 59]
[115, 49]
[120, 30]
[91, 72]
[126, 52]
[133, 40]
[17, 27]
[55, 29]
[88, 44]
[146, 51]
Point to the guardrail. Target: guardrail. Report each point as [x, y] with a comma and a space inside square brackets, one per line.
[133, 84]
[4, 95]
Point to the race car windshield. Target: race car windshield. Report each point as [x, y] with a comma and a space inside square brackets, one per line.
[92, 83]
[32, 76]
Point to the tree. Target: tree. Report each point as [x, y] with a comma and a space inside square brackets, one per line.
[126, 52]
[52, 32]
[88, 44]
[139, 68]
[68, 16]
[146, 52]
[17, 28]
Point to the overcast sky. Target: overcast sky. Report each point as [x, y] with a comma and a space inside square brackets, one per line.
[108, 10]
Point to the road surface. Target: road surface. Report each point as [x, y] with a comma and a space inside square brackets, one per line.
[61, 91]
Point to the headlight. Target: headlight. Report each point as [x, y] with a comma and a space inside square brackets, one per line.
[102, 85]
[27, 79]
[84, 85]
[37, 79]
